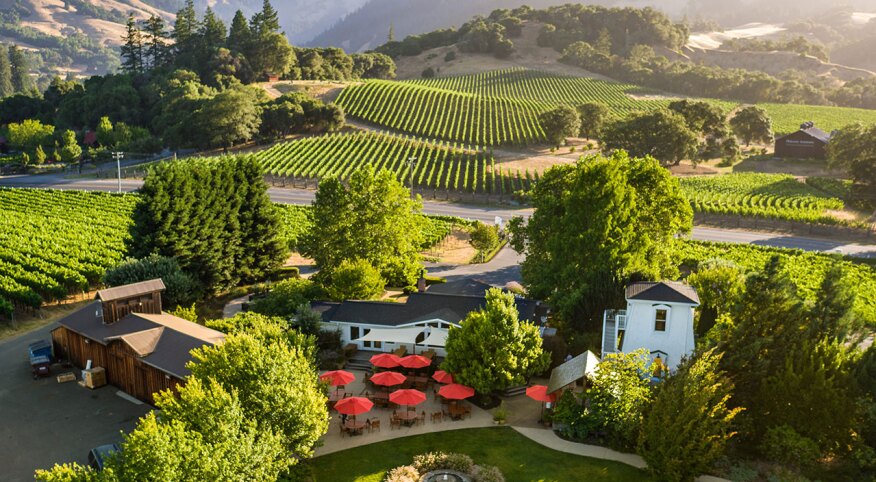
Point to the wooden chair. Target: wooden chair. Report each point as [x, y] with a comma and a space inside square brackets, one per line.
[368, 424]
[394, 422]
[466, 410]
[437, 417]
[343, 429]
[375, 425]
[422, 418]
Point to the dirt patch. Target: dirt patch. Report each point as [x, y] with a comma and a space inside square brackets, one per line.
[326, 91]
[25, 322]
[527, 54]
[454, 249]
[686, 168]
[295, 259]
[795, 167]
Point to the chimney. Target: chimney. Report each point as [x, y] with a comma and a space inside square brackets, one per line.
[421, 285]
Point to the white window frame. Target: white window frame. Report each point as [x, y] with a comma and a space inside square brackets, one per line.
[668, 311]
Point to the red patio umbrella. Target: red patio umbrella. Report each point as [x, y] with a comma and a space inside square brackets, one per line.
[455, 391]
[442, 377]
[388, 379]
[385, 360]
[407, 397]
[337, 378]
[539, 393]
[415, 361]
[353, 406]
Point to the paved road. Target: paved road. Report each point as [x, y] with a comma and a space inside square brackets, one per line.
[46, 422]
[482, 213]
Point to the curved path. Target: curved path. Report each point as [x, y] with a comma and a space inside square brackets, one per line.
[481, 213]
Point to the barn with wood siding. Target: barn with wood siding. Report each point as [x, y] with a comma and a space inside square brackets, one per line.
[809, 142]
[143, 349]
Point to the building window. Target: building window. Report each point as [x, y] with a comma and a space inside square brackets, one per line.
[661, 315]
[366, 344]
[354, 333]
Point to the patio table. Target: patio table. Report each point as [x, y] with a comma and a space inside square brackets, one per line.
[354, 427]
[407, 417]
[457, 412]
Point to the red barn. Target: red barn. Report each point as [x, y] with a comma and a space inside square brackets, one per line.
[807, 143]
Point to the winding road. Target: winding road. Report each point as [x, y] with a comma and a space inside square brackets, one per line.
[506, 259]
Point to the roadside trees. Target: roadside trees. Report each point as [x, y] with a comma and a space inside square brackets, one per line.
[596, 224]
[752, 124]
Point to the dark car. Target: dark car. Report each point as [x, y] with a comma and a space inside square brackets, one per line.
[98, 455]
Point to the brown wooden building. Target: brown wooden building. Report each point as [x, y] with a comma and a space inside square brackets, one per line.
[807, 143]
[143, 349]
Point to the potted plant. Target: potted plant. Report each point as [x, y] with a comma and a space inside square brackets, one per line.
[501, 414]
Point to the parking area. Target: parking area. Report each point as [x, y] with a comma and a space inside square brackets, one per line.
[45, 422]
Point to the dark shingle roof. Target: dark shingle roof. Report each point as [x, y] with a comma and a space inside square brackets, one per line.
[668, 291]
[418, 307]
[172, 350]
[131, 290]
[465, 286]
[817, 133]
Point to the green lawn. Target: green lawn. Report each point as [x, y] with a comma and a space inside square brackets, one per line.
[519, 458]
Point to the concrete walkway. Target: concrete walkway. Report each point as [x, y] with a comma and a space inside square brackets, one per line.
[234, 306]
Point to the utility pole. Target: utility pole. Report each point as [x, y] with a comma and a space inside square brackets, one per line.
[117, 155]
[412, 161]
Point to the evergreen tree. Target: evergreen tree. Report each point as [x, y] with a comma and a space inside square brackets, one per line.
[157, 51]
[70, 150]
[265, 22]
[104, 132]
[390, 37]
[21, 81]
[239, 36]
[132, 47]
[261, 249]
[6, 87]
[212, 32]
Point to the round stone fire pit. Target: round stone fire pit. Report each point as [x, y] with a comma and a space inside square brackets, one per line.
[445, 476]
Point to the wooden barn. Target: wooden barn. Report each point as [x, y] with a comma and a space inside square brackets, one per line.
[807, 143]
[143, 349]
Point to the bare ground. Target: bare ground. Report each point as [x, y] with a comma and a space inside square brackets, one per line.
[454, 249]
[326, 91]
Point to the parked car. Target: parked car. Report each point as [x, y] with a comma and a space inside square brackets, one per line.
[40, 355]
[98, 455]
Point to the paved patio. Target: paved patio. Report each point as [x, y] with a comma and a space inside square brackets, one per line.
[334, 440]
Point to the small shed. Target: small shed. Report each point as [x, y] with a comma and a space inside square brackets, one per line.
[807, 143]
[582, 366]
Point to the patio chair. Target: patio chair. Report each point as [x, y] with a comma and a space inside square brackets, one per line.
[394, 422]
[368, 424]
[437, 417]
[466, 410]
[422, 418]
[343, 429]
[375, 425]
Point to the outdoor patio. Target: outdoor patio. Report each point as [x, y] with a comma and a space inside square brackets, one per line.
[436, 417]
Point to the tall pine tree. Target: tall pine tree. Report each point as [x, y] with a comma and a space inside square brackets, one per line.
[21, 80]
[185, 27]
[212, 32]
[132, 47]
[6, 88]
[240, 36]
[157, 51]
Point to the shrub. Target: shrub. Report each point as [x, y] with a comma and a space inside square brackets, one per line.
[451, 55]
[181, 288]
[428, 73]
[405, 473]
[501, 413]
[484, 237]
[355, 280]
[458, 462]
[429, 461]
[286, 296]
[784, 445]
[489, 473]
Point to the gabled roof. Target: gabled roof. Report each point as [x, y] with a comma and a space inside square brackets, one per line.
[573, 370]
[131, 290]
[418, 307]
[811, 131]
[163, 341]
[666, 291]
[464, 286]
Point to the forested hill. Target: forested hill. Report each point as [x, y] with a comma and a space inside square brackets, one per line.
[368, 27]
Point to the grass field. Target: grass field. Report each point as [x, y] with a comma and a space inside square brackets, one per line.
[776, 196]
[501, 107]
[517, 457]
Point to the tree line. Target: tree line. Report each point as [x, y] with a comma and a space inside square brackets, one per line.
[14, 72]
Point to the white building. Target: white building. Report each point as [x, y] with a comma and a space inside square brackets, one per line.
[659, 317]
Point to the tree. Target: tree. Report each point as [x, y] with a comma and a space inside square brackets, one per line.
[720, 285]
[29, 135]
[559, 123]
[484, 236]
[70, 150]
[709, 122]
[239, 35]
[104, 132]
[853, 149]
[355, 280]
[286, 297]
[593, 117]
[157, 53]
[181, 288]
[213, 216]
[6, 87]
[661, 134]
[374, 219]
[687, 427]
[231, 116]
[280, 117]
[596, 224]
[22, 83]
[619, 395]
[185, 27]
[752, 124]
[132, 47]
[39, 155]
[262, 327]
[493, 349]
[277, 384]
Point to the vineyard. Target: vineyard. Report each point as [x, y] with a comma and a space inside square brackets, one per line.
[501, 107]
[806, 269]
[775, 196]
[438, 165]
[54, 243]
